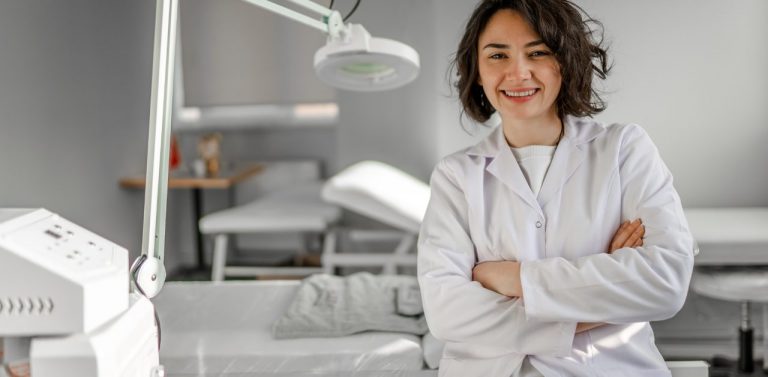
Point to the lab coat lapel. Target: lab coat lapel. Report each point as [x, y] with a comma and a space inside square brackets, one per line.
[567, 159]
[569, 155]
[505, 168]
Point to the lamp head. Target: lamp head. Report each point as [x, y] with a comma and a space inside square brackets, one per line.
[353, 60]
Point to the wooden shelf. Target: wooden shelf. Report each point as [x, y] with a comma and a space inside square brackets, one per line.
[182, 180]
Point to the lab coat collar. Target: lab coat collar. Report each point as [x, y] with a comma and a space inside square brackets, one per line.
[577, 131]
[568, 157]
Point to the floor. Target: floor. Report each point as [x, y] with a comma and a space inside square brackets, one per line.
[727, 368]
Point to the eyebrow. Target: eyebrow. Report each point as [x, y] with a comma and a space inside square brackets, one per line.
[503, 46]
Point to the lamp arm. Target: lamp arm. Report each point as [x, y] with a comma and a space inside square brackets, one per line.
[148, 271]
[313, 6]
[332, 23]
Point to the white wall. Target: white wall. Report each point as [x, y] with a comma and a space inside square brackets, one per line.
[693, 73]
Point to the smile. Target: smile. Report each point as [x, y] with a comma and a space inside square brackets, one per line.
[524, 93]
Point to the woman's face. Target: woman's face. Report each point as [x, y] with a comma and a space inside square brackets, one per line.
[518, 72]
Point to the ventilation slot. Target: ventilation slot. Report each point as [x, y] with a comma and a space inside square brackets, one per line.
[25, 306]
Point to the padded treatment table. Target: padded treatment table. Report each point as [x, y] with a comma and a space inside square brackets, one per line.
[383, 193]
[295, 209]
[730, 236]
[225, 329]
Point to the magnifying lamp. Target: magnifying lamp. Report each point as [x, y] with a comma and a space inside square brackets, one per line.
[351, 59]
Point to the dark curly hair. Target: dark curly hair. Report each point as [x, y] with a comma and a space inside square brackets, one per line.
[576, 41]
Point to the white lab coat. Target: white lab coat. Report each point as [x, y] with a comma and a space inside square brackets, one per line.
[482, 209]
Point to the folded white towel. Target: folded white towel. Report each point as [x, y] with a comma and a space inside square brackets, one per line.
[328, 306]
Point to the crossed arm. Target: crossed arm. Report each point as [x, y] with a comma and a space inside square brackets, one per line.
[503, 277]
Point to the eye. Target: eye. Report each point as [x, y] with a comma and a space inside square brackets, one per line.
[539, 53]
[497, 56]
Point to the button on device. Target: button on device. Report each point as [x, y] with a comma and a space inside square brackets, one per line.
[538, 224]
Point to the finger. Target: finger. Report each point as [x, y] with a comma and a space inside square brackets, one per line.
[642, 235]
[634, 224]
[614, 242]
[634, 237]
[632, 227]
[620, 239]
[633, 241]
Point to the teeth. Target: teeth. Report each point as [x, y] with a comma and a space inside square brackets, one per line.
[520, 94]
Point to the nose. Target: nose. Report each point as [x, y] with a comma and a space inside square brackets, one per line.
[518, 69]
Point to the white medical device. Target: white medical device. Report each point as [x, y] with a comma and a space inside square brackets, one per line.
[65, 307]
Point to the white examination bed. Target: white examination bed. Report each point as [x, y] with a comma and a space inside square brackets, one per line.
[370, 188]
[224, 329]
[730, 236]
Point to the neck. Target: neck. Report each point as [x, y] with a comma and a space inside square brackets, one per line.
[541, 131]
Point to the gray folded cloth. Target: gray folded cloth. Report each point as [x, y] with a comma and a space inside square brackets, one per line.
[328, 306]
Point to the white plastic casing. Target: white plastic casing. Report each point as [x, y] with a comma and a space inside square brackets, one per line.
[56, 277]
[123, 347]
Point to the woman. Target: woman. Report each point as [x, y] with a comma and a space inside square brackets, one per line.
[528, 263]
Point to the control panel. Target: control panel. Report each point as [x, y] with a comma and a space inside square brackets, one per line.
[57, 277]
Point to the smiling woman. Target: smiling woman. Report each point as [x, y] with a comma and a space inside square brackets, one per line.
[534, 258]
[519, 74]
[558, 31]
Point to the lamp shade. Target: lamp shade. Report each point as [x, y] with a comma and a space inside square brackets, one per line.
[359, 62]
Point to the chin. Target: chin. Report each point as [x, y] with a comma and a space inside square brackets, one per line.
[521, 115]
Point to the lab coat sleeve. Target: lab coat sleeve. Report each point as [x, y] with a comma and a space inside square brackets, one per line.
[633, 284]
[459, 309]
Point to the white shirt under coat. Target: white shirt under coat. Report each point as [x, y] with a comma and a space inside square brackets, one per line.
[482, 209]
[534, 161]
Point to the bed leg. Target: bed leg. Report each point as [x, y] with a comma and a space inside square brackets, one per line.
[219, 257]
[329, 251]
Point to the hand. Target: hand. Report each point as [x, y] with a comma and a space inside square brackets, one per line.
[630, 234]
[584, 326]
[502, 277]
